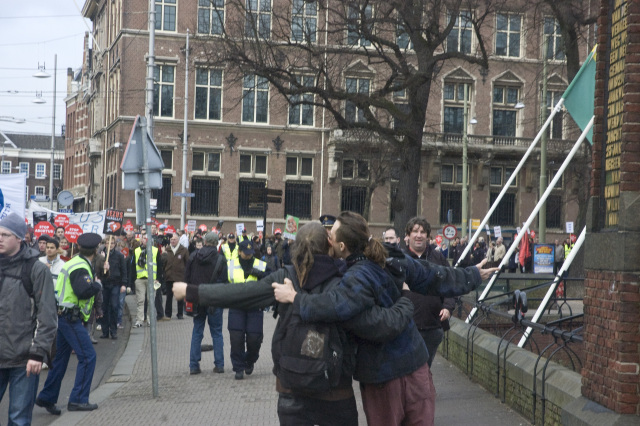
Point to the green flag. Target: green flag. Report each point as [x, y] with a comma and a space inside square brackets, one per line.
[579, 96]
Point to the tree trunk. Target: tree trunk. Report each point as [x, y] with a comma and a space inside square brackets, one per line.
[406, 203]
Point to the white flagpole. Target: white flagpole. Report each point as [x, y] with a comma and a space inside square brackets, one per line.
[535, 211]
[510, 181]
[552, 288]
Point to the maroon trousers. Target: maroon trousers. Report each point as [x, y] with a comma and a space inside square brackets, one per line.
[407, 400]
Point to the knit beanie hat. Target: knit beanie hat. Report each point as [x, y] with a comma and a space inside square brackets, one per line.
[211, 238]
[15, 224]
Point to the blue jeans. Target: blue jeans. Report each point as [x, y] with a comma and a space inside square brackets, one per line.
[22, 393]
[110, 304]
[214, 317]
[121, 306]
[71, 335]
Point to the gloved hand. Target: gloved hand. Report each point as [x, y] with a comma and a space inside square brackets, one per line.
[257, 273]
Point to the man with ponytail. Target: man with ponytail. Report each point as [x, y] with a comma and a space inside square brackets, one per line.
[394, 376]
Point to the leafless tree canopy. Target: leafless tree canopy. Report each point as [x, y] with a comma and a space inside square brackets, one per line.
[372, 62]
[369, 64]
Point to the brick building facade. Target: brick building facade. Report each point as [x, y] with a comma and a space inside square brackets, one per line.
[611, 373]
[31, 154]
[233, 147]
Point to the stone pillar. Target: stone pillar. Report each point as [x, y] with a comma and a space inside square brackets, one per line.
[611, 373]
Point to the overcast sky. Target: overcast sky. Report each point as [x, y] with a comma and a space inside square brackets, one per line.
[32, 32]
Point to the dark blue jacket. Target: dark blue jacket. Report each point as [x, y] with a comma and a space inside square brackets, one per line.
[366, 284]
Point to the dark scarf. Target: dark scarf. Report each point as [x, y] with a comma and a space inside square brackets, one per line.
[324, 268]
[354, 258]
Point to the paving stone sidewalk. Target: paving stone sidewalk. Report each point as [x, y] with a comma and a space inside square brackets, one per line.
[219, 399]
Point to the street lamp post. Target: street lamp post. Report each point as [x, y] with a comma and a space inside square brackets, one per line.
[42, 74]
[542, 214]
[465, 143]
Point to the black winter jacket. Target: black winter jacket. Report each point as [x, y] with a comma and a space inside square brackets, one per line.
[201, 265]
[376, 325]
[427, 308]
[117, 274]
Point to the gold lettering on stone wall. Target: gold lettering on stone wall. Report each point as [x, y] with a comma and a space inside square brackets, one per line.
[615, 110]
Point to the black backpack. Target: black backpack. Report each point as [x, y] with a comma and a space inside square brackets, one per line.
[309, 355]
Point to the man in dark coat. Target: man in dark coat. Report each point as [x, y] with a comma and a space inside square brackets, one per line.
[206, 266]
[114, 282]
[175, 260]
[431, 313]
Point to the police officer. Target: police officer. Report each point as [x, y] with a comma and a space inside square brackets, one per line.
[230, 248]
[75, 290]
[245, 327]
[327, 221]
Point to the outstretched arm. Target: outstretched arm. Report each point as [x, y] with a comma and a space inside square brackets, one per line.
[375, 323]
[427, 278]
[249, 295]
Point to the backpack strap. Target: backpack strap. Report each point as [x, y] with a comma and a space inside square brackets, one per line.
[216, 270]
[25, 277]
[27, 268]
[291, 271]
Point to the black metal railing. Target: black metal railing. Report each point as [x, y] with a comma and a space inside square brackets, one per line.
[206, 199]
[297, 199]
[558, 339]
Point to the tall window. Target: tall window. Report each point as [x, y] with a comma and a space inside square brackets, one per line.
[555, 128]
[211, 17]
[304, 21]
[459, 39]
[558, 184]
[206, 162]
[352, 113]
[297, 199]
[164, 81]
[205, 201]
[498, 176]
[167, 158]
[255, 99]
[353, 198]
[453, 94]
[302, 113]
[163, 195]
[355, 169]
[402, 37]
[356, 37]
[24, 168]
[39, 190]
[6, 167]
[299, 167]
[508, 27]
[258, 19]
[504, 214]
[253, 163]
[57, 171]
[208, 94]
[450, 200]
[246, 209]
[166, 15]
[41, 170]
[504, 112]
[448, 172]
[554, 211]
[555, 44]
